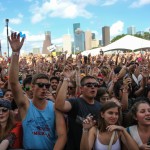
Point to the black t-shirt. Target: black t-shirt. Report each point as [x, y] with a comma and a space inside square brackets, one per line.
[80, 109]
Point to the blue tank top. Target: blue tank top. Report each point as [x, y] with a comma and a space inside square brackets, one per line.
[39, 128]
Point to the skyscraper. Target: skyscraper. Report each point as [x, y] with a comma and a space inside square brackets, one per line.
[67, 45]
[106, 35]
[88, 40]
[79, 38]
[131, 30]
[93, 36]
[46, 43]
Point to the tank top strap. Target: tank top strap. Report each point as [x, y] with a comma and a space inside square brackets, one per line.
[97, 132]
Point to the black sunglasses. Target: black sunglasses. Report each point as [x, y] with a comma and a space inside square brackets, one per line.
[26, 88]
[41, 85]
[91, 84]
[100, 79]
[70, 87]
[4, 110]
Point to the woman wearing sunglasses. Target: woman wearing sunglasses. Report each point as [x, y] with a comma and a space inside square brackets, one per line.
[10, 132]
[108, 134]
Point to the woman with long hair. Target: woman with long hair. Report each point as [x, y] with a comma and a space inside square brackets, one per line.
[10, 131]
[140, 131]
[108, 134]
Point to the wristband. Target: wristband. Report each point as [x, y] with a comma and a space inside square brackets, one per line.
[15, 53]
[66, 79]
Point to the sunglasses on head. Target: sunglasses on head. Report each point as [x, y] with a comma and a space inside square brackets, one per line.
[4, 110]
[27, 88]
[91, 84]
[41, 85]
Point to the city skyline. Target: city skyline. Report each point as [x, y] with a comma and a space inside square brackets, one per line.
[35, 17]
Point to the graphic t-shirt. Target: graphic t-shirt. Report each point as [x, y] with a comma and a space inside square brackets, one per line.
[39, 128]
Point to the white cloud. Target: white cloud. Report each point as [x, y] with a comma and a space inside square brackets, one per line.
[17, 20]
[109, 2]
[116, 28]
[62, 9]
[140, 3]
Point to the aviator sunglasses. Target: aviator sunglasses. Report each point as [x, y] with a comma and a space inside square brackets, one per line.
[41, 85]
[91, 84]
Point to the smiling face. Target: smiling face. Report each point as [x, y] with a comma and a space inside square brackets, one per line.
[110, 116]
[143, 114]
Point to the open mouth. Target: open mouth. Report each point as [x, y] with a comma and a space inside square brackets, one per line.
[147, 118]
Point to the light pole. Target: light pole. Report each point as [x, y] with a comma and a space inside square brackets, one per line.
[7, 21]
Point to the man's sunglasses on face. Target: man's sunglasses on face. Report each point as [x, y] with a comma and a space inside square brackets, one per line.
[91, 85]
[41, 85]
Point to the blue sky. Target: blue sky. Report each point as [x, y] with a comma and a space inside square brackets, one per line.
[34, 17]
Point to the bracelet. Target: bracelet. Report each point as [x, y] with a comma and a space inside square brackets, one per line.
[66, 79]
[85, 130]
[15, 53]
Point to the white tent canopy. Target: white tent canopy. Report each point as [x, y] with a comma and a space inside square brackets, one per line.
[127, 42]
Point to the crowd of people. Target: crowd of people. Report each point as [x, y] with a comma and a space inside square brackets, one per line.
[74, 103]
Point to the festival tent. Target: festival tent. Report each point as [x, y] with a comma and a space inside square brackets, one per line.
[127, 42]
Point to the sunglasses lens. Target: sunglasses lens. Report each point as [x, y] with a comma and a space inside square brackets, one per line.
[91, 85]
[4, 110]
[41, 85]
[27, 88]
[70, 88]
[47, 86]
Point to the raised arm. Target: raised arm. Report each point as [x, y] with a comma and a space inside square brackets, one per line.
[61, 131]
[60, 102]
[21, 100]
[88, 134]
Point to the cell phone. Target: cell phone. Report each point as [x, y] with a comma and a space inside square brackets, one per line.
[127, 75]
[79, 120]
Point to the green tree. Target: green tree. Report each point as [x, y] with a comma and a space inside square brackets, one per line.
[117, 37]
[145, 35]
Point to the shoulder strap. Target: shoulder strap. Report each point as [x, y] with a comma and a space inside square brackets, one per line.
[111, 140]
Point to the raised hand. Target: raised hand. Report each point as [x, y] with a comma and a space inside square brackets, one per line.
[88, 122]
[15, 42]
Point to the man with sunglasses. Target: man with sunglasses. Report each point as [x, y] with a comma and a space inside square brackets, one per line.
[78, 108]
[41, 123]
